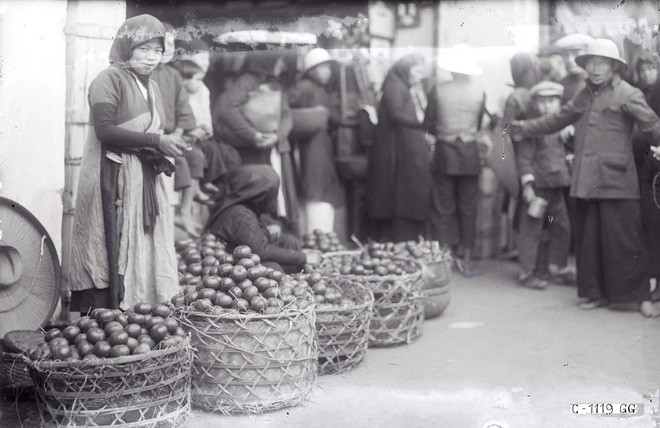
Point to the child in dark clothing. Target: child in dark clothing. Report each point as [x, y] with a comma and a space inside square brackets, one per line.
[544, 173]
[236, 220]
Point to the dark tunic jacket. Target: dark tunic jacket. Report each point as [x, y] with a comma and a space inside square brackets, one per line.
[604, 167]
[319, 180]
[399, 179]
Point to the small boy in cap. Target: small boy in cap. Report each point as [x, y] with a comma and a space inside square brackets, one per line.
[544, 173]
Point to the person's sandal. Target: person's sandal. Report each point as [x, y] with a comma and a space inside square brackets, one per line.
[648, 310]
[565, 278]
[533, 281]
[593, 304]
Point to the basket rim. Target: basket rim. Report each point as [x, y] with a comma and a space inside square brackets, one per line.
[367, 300]
[389, 277]
[47, 364]
[287, 313]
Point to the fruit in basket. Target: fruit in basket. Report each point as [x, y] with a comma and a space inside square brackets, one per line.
[324, 242]
[242, 252]
[119, 351]
[102, 349]
[118, 338]
[85, 348]
[70, 333]
[61, 352]
[158, 332]
[53, 334]
[95, 335]
[142, 308]
[142, 348]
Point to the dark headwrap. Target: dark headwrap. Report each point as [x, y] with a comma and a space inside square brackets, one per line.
[401, 68]
[524, 70]
[262, 62]
[133, 33]
[254, 186]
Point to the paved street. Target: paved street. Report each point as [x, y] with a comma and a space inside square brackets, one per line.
[500, 353]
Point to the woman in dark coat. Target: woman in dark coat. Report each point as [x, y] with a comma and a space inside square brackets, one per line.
[237, 220]
[399, 180]
[320, 186]
[255, 147]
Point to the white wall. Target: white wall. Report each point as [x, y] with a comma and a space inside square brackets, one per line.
[498, 29]
[32, 108]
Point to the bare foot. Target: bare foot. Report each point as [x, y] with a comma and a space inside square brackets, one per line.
[593, 304]
[648, 310]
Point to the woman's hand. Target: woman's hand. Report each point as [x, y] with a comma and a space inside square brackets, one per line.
[266, 141]
[275, 231]
[528, 193]
[313, 257]
[514, 129]
[172, 145]
[656, 152]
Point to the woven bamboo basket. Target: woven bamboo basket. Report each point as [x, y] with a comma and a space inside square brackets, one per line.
[398, 316]
[146, 390]
[343, 331]
[251, 363]
[436, 277]
[14, 374]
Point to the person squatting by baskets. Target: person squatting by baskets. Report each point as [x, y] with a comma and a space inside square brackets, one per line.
[612, 262]
[321, 189]
[544, 173]
[237, 220]
[399, 179]
[123, 239]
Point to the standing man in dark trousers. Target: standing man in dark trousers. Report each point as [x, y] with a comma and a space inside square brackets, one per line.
[612, 261]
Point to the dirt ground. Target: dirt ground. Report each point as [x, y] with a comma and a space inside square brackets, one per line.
[500, 356]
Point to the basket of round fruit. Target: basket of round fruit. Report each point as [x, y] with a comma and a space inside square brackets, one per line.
[324, 242]
[114, 368]
[252, 328]
[436, 273]
[398, 315]
[343, 311]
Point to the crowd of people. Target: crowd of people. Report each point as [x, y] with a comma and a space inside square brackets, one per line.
[581, 133]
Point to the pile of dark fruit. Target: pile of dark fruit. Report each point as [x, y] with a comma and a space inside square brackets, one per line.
[107, 333]
[241, 284]
[324, 242]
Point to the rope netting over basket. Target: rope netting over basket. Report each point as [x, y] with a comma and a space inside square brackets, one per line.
[252, 363]
[398, 315]
[343, 331]
[146, 390]
[14, 373]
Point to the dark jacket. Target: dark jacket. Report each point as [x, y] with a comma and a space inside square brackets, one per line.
[544, 157]
[232, 126]
[319, 180]
[399, 179]
[604, 167]
[237, 219]
[178, 113]
[454, 116]
[573, 84]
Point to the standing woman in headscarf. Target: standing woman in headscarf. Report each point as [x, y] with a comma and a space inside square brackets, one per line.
[233, 125]
[399, 180]
[123, 237]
